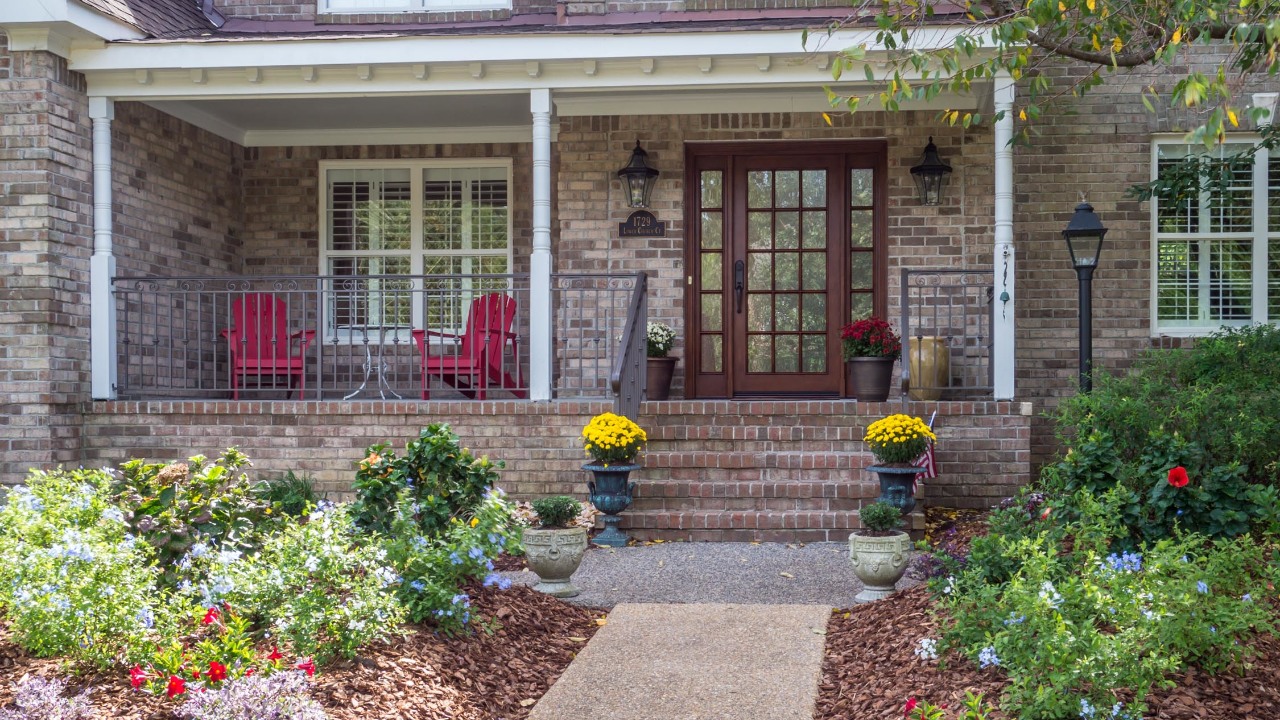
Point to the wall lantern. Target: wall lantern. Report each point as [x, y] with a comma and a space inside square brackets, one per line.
[638, 178]
[1084, 241]
[931, 175]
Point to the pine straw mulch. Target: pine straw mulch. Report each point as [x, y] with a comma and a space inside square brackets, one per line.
[482, 676]
[871, 669]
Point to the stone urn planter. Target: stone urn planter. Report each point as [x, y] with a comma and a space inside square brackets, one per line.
[879, 562]
[554, 554]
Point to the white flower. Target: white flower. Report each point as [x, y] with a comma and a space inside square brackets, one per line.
[951, 585]
[927, 649]
[1050, 595]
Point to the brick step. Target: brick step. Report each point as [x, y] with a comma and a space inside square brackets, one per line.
[705, 490]
[658, 457]
[746, 525]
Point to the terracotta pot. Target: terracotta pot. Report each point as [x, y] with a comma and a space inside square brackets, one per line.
[879, 562]
[929, 367]
[659, 371]
[554, 554]
[869, 378]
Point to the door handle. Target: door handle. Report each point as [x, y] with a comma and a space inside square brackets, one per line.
[739, 272]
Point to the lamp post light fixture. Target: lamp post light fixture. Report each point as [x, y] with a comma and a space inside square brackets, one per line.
[1084, 241]
[931, 175]
[638, 178]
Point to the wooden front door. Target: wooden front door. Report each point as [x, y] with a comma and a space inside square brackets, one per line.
[783, 251]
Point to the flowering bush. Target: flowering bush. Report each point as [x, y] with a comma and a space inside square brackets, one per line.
[898, 439]
[1076, 630]
[611, 438]
[282, 696]
[872, 337]
[40, 699]
[435, 568]
[313, 584]
[73, 581]
[444, 480]
[177, 505]
[973, 708]
[659, 337]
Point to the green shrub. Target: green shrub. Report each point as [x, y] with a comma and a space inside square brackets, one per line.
[317, 584]
[73, 581]
[290, 494]
[176, 506]
[444, 481]
[880, 517]
[556, 511]
[1077, 623]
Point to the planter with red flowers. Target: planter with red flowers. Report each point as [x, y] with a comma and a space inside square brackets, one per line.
[870, 348]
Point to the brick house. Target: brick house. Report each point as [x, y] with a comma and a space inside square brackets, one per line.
[375, 166]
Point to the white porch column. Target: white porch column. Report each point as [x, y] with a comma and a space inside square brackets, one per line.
[540, 309]
[1003, 359]
[102, 265]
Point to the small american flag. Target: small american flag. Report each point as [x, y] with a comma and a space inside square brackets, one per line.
[926, 460]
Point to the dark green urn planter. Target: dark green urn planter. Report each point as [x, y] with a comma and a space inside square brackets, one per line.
[611, 493]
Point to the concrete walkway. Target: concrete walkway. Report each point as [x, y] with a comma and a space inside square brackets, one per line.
[695, 662]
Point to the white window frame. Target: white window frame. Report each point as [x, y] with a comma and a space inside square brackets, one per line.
[416, 252]
[1259, 236]
[327, 7]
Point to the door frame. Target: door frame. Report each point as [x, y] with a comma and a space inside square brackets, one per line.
[729, 150]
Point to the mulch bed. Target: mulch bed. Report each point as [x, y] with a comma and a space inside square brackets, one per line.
[871, 669]
[488, 675]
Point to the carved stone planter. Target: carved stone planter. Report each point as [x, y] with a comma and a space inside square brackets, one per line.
[554, 554]
[879, 562]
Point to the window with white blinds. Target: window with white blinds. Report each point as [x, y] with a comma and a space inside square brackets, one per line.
[1217, 252]
[386, 226]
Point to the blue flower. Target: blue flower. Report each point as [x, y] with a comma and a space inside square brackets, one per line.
[417, 586]
[146, 618]
[496, 539]
[454, 558]
[476, 553]
[1202, 587]
[1086, 709]
[495, 579]
[987, 657]
[1247, 597]
[1128, 562]
[1015, 620]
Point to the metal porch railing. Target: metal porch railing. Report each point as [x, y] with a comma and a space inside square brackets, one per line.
[946, 333]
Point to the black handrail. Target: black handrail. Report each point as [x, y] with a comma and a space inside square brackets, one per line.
[629, 369]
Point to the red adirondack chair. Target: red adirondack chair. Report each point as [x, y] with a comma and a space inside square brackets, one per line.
[475, 363]
[261, 344]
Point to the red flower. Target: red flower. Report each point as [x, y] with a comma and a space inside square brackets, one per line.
[137, 676]
[212, 616]
[1178, 477]
[1045, 515]
[217, 672]
[275, 655]
[911, 705]
[250, 671]
[306, 665]
[177, 686]
[195, 674]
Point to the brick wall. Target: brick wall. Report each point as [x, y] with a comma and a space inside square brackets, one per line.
[45, 242]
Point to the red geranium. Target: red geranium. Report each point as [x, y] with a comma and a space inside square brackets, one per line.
[217, 672]
[275, 655]
[307, 665]
[137, 676]
[177, 686]
[872, 337]
[911, 705]
[1178, 477]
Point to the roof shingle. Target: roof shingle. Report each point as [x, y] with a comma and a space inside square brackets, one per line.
[157, 18]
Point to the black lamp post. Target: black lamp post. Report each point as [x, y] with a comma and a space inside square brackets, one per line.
[1084, 240]
[931, 175]
[638, 178]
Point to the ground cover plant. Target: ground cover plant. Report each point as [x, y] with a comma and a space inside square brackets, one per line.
[188, 582]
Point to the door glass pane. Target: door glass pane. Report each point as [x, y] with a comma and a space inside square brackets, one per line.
[712, 312]
[712, 271]
[712, 189]
[759, 313]
[860, 228]
[815, 229]
[760, 230]
[859, 306]
[786, 353]
[788, 190]
[787, 233]
[815, 188]
[860, 270]
[786, 314]
[786, 274]
[759, 189]
[759, 272]
[712, 359]
[815, 271]
[861, 187]
[759, 353]
[815, 312]
[813, 351]
[712, 230]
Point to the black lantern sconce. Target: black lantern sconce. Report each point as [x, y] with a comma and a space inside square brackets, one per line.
[1084, 241]
[931, 175]
[638, 178]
